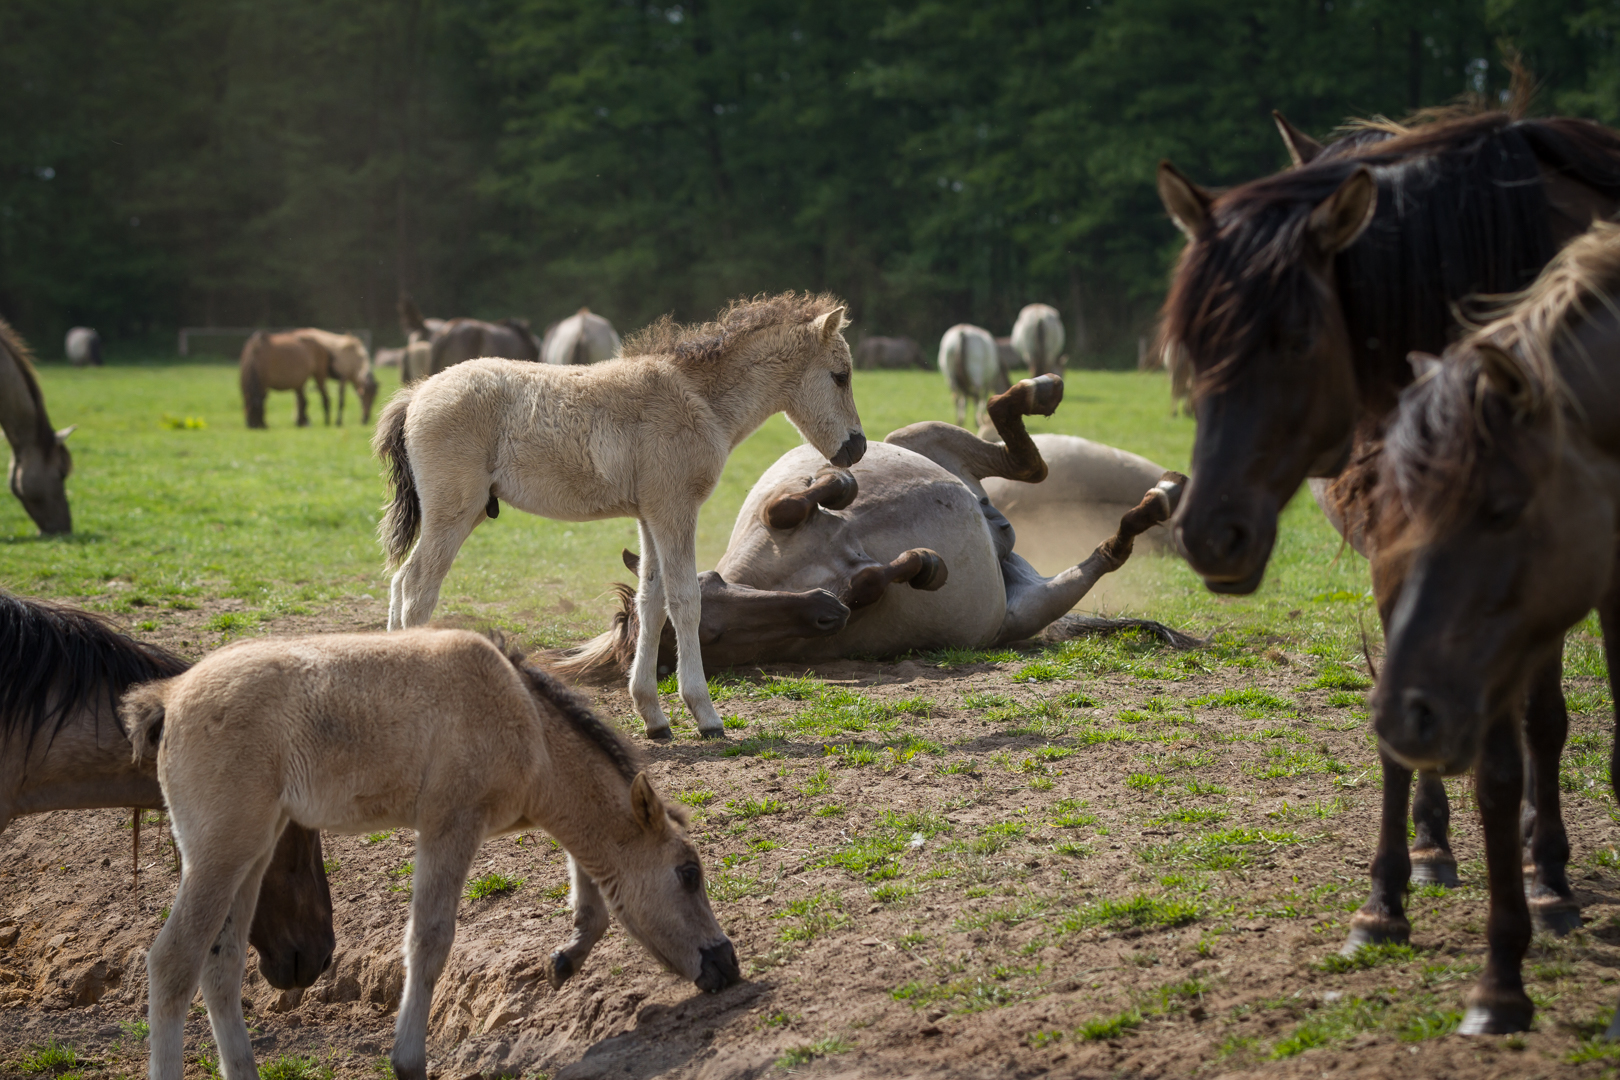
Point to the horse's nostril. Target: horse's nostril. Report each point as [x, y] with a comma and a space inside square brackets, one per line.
[1422, 719]
[1232, 540]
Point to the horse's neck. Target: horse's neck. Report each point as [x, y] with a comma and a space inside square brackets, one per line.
[745, 389]
[18, 416]
[1590, 368]
[86, 765]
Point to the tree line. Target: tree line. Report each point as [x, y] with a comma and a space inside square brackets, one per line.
[216, 162]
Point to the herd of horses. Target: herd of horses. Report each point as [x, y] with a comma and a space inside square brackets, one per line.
[1302, 323]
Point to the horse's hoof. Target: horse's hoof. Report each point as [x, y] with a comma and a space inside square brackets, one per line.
[1044, 394]
[1509, 1012]
[1435, 867]
[1369, 929]
[662, 734]
[409, 1072]
[933, 574]
[560, 969]
[1554, 914]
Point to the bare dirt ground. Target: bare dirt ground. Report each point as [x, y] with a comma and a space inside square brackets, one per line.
[1114, 861]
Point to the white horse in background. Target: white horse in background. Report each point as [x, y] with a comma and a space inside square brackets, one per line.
[1038, 337]
[644, 436]
[972, 369]
[582, 338]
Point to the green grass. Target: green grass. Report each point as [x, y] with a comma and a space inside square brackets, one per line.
[292, 1067]
[492, 884]
[1109, 1027]
[1368, 956]
[53, 1057]
[807, 1052]
[1152, 912]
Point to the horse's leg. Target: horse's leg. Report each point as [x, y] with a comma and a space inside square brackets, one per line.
[1432, 860]
[590, 923]
[791, 506]
[1498, 1004]
[650, 615]
[449, 516]
[677, 562]
[961, 409]
[971, 458]
[1546, 723]
[342, 389]
[920, 567]
[1383, 917]
[326, 402]
[443, 856]
[303, 406]
[222, 979]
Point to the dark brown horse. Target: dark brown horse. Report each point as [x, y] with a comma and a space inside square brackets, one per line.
[61, 748]
[1502, 472]
[456, 340]
[1289, 320]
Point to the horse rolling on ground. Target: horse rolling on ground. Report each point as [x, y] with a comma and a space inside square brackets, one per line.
[972, 369]
[282, 362]
[348, 363]
[61, 748]
[1289, 319]
[439, 731]
[1038, 336]
[644, 436]
[811, 571]
[1502, 475]
[40, 461]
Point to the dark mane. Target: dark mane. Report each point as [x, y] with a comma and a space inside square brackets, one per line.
[574, 709]
[12, 342]
[1461, 210]
[711, 340]
[74, 655]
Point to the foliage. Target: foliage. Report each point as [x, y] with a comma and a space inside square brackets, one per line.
[492, 884]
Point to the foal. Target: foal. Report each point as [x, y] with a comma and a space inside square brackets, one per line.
[643, 436]
[433, 730]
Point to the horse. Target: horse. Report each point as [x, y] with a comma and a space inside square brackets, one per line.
[1288, 321]
[348, 363]
[440, 731]
[282, 362]
[1038, 336]
[582, 338]
[972, 369]
[643, 436]
[40, 460]
[61, 749]
[810, 570]
[1502, 469]
[82, 346]
[889, 353]
[418, 327]
[1009, 356]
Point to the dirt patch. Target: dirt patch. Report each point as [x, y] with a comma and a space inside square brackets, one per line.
[1000, 869]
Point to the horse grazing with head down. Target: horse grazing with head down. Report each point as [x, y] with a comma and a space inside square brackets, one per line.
[61, 748]
[643, 436]
[1500, 504]
[439, 731]
[40, 461]
[348, 362]
[1289, 319]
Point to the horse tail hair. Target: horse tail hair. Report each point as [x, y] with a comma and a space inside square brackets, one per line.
[402, 518]
[547, 689]
[253, 392]
[607, 656]
[142, 713]
[1040, 343]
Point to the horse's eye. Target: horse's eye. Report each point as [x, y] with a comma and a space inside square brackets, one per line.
[840, 378]
[691, 875]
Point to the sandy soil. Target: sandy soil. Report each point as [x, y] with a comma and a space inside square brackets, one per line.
[940, 909]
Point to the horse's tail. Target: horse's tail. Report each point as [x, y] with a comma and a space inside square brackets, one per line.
[402, 518]
[253, 392]
[608, 655]
[1040, 345]
[142, 712]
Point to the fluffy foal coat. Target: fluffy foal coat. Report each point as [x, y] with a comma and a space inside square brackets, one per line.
[645, 436]
[438, 731]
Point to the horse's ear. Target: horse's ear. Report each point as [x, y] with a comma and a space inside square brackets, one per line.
[1507, 378]
[1423, 364]
[1186, 202]
[828, 325]
[61, 436]
[1341, 218]
[647, 807]
[1302, 149]
[632, 561]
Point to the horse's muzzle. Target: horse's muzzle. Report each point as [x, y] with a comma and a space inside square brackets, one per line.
[853, 450]
[720, 968]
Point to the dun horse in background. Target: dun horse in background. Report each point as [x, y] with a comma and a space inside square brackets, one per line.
[61, 748]
[439, 731]
[348, 363]
[972, 369]
[1499, 503]
[1038, 337]
[1289, 319]
[40, 461]
[645, 436]
[582, 338]
[454, 341]
[282, 362]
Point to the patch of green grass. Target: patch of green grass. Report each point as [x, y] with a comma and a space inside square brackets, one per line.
[135, 1029]
[1077, 699]
[984, 699]
[829, 810]
[1249, 701]
[755, 745]
[1412, 1018]
[1152, 912]
[1342, 699]
[753, 808]
[1368, 956]
[1011, 915]
[1144, 781]
[378, 837]
[995, 837]
[1109, 1027]
[818, 783]
[892, 893]
[1338, 679]
[292, 1067]
[1039, 671]
[696, 797]
[1225, 850]
[53, 1057]
[1188, 815]
[492, 884]
[811, 917]
[795, 1056]
[995, 989]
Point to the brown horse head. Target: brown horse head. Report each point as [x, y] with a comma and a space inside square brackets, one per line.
[292, 925]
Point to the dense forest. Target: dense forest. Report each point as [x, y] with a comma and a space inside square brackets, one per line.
[171, 162]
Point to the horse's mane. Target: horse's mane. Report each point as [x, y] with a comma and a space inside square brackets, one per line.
[75, 654]
[12, 342]
[574, 709]
[1461, 210]
[1432, 448]
[741, 317]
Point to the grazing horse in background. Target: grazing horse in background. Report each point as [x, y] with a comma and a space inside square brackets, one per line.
[582, 338]
[454, 341]
[1500, 500]
[61, 749]
[82, 346]
[1038, 337]
[889, 353]
[418, 327]
[348, 363]
[1289, 319]
[809, 571]
[40, 461]
[645, 436]
[282, 362]
[439, 731]
[972, 369]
